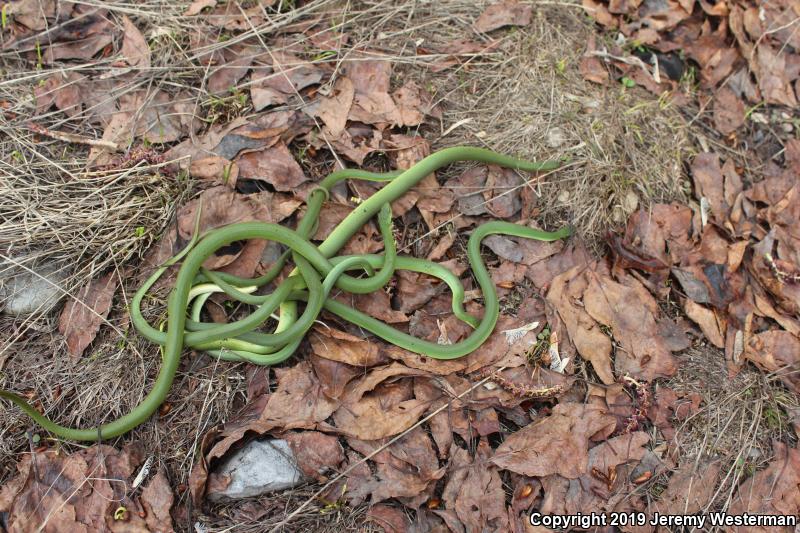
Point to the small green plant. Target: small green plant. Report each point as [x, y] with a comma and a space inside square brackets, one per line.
[4, 15]
[332, 506]
[561, 65]
[752, 109]
[627, 82]
[773, 417]
[140, 231]
[39, 60]
[324, 56]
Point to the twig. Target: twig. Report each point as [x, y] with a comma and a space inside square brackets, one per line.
[72, 138]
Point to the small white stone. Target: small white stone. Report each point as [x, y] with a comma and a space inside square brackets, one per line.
[631, 202]
[260, 466]
[23, 292]
[555, 137]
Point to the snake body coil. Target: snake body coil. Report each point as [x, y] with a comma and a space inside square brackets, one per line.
[317, 272]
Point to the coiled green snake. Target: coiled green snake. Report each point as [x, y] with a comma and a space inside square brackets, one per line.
[317, 272]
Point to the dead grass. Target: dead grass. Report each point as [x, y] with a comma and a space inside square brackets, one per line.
[625, 147]
[738, 420]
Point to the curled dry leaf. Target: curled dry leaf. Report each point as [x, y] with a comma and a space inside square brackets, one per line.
[407, 469]
[81, 318]
[345, 348]
[316, 453]
[215, 168]
[134, 46]
[480, 497]
[632, 314]
[584, 332]
[729, 111]
[555, 444]
[605, 480]
[777, 352]
[505, 13]
[333, 110]
[391, 519]
[709, 322]
[378, 405]
[276, 165]
[66, 91]
[590, 66]
[282, 79]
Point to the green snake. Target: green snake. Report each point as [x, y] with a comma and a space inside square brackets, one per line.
[317, 271]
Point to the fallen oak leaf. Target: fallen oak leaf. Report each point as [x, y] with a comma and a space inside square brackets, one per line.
[584, 332]
[134, 46]
[555, 444]
[631, 312]
[505, 13]
[387, 410]
[86, 311]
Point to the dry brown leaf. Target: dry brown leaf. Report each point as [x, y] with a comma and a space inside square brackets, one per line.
[275, 165]
[134, 46]
[391, 519]
[298, 403]
[505, 13]
[345, 348]
[32, 13]
[584, 332]
[555, 444]
[373, 408]
[197, 6]
[333, 376]
[649, 231]
[632, 314]
[689, 489]
[590, 66]
[81, 41]
[334, 110]
[713, 326]
[710, 184]
[86, 311]
[66, 91]
[234, 64]
[605, 480]
[215, 168]
[772, 491]
[286, 75]
[316, 453]
[157, 500]
[777, 352]
[480, 497]
[407, 469]
[774, 80]
[729, 111]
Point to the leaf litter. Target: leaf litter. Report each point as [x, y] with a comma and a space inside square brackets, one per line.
[441, 440]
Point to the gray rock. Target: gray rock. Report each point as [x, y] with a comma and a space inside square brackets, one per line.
[23, 292]
[260, 466]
